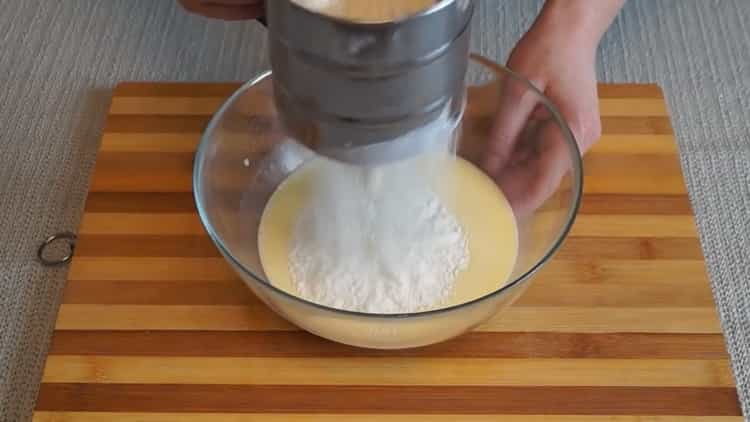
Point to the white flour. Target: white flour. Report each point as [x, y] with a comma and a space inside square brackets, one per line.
[378, 240]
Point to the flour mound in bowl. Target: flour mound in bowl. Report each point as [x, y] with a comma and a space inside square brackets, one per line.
[377, 240]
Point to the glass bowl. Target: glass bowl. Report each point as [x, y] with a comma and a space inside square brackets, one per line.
[244, 155]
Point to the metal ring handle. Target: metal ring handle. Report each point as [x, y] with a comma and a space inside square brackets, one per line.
[66, 236]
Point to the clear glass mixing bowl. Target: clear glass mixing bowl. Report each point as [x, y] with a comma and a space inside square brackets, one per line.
[244, 155]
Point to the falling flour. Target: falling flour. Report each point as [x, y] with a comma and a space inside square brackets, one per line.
[366, 244]
[377, 240]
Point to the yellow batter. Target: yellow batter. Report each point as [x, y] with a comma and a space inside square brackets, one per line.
[367, 10]
[475, 200]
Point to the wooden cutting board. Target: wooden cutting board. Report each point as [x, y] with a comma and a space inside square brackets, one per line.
[154, 325]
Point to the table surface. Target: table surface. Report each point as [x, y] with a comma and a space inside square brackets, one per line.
[60, 61]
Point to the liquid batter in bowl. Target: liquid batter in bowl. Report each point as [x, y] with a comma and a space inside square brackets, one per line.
[367, 10]
[474, 199]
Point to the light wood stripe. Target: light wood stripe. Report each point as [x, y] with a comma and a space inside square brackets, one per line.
[635, 144]
[690, 273]
[174, 143]
[605, 320]
[147, 142]
[165, 269]
[516, 318]
[199, 246]
[203, 106]
[225, 89]
[632, 107]
[574, 248]
[649, 125]
[632, 174]
[632, 273]
[176, 317]
[387, 371]
[174, 106]
[638, 283]
[586, 225]
[604, 173]
[141, 224]
[670, 401]
[586, 295]
[667, 293]
[269, 417]
[634, 226]
[166, 143]
[115, 142]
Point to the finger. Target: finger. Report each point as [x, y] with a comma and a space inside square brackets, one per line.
[223, 11]
[478, 118]
[587, 127]
[516, 104]
[529, 183]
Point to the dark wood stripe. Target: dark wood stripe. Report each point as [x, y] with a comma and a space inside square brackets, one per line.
[145, 245]
[168, 172]
[471, 345]
[636, 204]
[224, 89]
[613, 125]
[139, 171]
[596, 293]
[389, 399]
[587, 248]
[156, 202]
[141, 202]
[136, 123]
[125, 164]
[177, 89]
[630, 91]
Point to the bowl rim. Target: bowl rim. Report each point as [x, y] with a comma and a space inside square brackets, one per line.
[438, 6]
[577, 164]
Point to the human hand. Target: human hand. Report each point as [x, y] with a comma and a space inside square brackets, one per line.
[225, 9]
[558, 56]
[527, 153]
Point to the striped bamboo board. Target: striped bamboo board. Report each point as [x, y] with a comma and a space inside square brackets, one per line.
[154, 326]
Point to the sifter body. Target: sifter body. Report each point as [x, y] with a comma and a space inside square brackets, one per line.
[356, 90]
